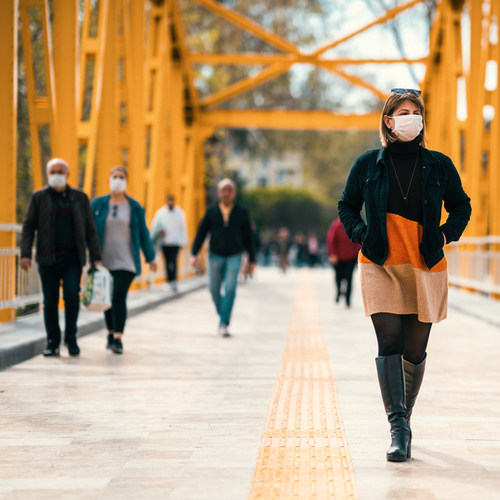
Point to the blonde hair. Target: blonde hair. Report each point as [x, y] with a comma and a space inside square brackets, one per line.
[391, 105]
[119, 169]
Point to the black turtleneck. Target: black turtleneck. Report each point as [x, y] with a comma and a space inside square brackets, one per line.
[404, 156]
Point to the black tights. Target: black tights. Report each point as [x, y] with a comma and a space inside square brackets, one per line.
[401, 334]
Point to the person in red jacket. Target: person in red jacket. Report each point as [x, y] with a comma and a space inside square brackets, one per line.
[343, 255]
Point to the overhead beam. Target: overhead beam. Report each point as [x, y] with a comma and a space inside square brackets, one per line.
[266, 59]
[390, 14]
[356, 80]
[249, 25]
[291, 120]
[245, 85]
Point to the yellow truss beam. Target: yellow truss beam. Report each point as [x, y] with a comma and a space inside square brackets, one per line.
[390, 14]
[178, 25]
[280, 63]
[266, 59]
[92, 53]
[41, 108]
[65, 40]
[292, 120]
[245, 85]
[248, 25]
[356, 80]
[8, 144]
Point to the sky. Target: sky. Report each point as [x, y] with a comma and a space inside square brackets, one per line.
[377, 43]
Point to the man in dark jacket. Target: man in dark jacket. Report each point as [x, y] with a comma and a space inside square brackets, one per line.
[64, 224]
[229, 225]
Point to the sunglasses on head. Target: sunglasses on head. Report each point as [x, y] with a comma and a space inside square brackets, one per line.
[418, 93]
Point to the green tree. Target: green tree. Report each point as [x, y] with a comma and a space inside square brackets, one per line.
[297, 209]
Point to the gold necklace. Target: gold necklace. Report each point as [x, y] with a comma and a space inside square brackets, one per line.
[411, 180]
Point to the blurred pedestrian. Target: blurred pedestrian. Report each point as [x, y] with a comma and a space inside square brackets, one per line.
[403, 270]
[123, 232]
[284, 248]
[62, 220]
[313, 250]
[228, 223]
[169, 223]
[343, 255]
[301, 250]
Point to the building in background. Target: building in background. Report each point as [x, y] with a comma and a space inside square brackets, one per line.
[285, 170]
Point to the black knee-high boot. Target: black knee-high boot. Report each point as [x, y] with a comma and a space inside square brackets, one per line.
[392, 385]
[414, 375]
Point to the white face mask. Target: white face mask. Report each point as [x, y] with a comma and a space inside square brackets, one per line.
[56, 181]
[407, 127]
[118, 185]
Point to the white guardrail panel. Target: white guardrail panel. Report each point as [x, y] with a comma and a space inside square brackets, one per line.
[474, 263]
[17, 287]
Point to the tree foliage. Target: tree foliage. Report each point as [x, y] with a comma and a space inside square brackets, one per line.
[297, 209]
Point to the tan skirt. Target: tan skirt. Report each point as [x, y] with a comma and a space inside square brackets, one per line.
[402, 289]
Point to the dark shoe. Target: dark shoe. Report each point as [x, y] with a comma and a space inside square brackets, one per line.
[117, 346]
[414, 375]
[109, 345]
[72, 346]
[337, 298]
[392, 386]
[51, 352]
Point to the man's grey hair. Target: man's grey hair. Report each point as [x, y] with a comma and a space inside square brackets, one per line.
[57, 161]
[226, 182]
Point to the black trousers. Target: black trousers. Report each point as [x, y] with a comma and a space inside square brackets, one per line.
[170, 253]
[117, 315]
[67, 270]
[343, 271]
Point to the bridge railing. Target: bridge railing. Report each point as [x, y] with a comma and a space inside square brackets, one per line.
[474, 263]
[19, 288]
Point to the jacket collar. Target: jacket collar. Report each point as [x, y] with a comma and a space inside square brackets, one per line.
[427, 157]
[53, 192]
[106, 197]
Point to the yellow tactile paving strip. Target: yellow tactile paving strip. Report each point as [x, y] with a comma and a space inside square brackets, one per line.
[304, 452]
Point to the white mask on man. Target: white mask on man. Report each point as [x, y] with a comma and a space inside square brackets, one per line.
[56, 181]
[118, 185]
[407, 127]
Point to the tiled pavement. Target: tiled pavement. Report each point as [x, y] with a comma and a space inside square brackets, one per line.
[181, 414]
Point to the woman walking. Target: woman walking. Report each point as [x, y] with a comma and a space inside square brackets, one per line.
[123, 232]
[403, 270]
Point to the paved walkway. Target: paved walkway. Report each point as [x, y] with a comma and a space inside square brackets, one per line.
[184, 415]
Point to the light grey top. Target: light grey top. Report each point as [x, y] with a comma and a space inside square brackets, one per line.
[117, 247]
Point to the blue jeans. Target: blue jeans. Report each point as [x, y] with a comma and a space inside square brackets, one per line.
[223, 269]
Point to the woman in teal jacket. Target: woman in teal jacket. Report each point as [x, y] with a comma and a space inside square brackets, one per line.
[123, 232]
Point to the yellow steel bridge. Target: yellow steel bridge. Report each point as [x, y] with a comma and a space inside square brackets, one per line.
[142, 107]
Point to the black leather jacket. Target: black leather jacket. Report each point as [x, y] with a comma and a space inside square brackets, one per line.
[40, 217]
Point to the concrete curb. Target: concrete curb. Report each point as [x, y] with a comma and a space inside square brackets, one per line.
[25, 338]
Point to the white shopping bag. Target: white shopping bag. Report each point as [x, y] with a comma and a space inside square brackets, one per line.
[98, 290]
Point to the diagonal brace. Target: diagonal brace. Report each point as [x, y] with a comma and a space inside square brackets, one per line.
[248, 25]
